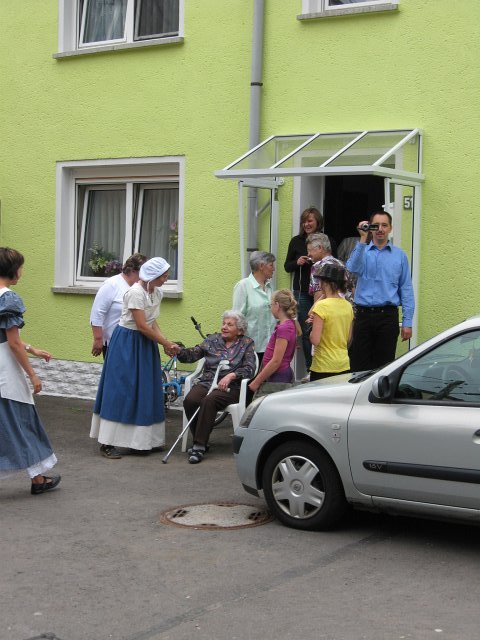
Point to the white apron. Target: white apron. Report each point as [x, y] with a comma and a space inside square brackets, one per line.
[13, 382]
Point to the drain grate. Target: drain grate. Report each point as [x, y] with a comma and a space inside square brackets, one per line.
[220, 515]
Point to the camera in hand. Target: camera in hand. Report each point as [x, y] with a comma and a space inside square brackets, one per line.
[368, 227]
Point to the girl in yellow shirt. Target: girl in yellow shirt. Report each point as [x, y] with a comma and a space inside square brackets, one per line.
[332, 326]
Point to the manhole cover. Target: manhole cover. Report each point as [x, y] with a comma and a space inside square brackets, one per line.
[45, 636]
[221, 515]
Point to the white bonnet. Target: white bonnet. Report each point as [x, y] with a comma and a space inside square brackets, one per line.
[153, 268]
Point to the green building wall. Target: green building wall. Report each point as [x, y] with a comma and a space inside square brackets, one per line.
[414, 67]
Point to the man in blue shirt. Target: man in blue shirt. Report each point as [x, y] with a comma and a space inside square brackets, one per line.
[384, 284]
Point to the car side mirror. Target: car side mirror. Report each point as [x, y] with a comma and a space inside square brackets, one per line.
[382, 389]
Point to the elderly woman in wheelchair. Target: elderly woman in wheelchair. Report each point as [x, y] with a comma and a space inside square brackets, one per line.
[229, 358]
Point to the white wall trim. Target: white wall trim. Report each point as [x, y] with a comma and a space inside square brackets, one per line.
[68, 30]
[108, 170]
[312, 9]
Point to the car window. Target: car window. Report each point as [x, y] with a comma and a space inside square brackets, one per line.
[450, 372]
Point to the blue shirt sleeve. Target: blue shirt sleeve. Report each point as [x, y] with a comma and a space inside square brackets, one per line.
[405, 290]
[11, 310]
[356, 262]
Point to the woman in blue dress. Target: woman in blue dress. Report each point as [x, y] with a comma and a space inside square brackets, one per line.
[24, 445]
[129, 409]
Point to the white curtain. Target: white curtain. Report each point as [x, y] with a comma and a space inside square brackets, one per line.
[104, 225]
[104, 20]
[159, 226]
[156, 17]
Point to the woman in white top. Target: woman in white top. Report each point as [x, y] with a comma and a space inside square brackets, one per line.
[108, 303]
[24, 445]
[129, 409]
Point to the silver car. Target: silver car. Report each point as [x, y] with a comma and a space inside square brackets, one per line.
[404, 439]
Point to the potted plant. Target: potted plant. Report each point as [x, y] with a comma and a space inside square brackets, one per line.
[99, 259]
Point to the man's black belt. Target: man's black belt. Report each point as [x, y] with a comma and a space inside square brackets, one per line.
[387, 307]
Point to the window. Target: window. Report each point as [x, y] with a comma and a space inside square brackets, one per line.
[325, 8]
[448, 373]
[86, 25]
[335, 3]
[107, 210]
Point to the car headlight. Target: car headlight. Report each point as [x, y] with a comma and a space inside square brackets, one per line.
[250, 412]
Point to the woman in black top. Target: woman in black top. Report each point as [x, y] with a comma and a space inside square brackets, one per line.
[299, 264]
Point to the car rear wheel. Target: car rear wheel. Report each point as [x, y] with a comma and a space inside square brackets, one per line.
[302, 487]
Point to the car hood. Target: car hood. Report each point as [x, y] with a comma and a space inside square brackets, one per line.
[290, 405]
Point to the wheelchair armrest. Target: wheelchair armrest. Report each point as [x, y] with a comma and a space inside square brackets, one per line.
[189, 380]
[242, 399]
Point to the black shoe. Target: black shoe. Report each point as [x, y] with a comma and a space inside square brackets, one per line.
[140, 452]
[46, 485]
[196, 456]
[109, 451]
[191, 450]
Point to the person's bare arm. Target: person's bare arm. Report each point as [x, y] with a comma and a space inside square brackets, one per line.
[97, 347]
[152, 332]
[18, 348]
[278, 353]
[317, 329]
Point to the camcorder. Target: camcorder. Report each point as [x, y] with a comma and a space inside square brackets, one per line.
[368, 227]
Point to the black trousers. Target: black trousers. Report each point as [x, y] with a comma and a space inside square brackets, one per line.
[204, 421]
[374, 337]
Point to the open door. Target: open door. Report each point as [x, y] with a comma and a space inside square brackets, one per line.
[258, 211]
[402, 202]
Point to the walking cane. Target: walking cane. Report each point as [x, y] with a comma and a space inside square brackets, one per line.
[222, 365]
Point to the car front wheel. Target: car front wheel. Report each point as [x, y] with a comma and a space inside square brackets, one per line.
[302, 487]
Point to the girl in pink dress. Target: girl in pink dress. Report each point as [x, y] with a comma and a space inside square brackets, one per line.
[283, 341]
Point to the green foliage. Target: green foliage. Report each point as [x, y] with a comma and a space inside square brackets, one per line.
[99, 258]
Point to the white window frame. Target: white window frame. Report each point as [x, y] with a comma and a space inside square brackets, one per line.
[125, 171]
[323, 9]
[93, 186]
[99, 43]
[70, 31]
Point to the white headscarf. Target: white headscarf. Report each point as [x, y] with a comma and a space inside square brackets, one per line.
[153, 268]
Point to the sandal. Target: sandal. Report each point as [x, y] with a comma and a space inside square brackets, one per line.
[190, 450]
[46, 485]
[109, 451]
[196, 456]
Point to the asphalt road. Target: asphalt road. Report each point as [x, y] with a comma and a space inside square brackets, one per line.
[92, 561]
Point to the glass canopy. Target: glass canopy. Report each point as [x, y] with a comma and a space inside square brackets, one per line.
[396, 153]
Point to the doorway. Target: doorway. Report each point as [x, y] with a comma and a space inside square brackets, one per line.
[347, 201]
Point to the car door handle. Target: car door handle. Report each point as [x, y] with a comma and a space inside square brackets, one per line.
[477, 433]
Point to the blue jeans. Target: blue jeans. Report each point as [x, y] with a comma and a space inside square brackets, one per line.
[305, 302]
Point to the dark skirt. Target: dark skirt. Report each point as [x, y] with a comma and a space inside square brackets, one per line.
[130, 389]
[23, 440]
